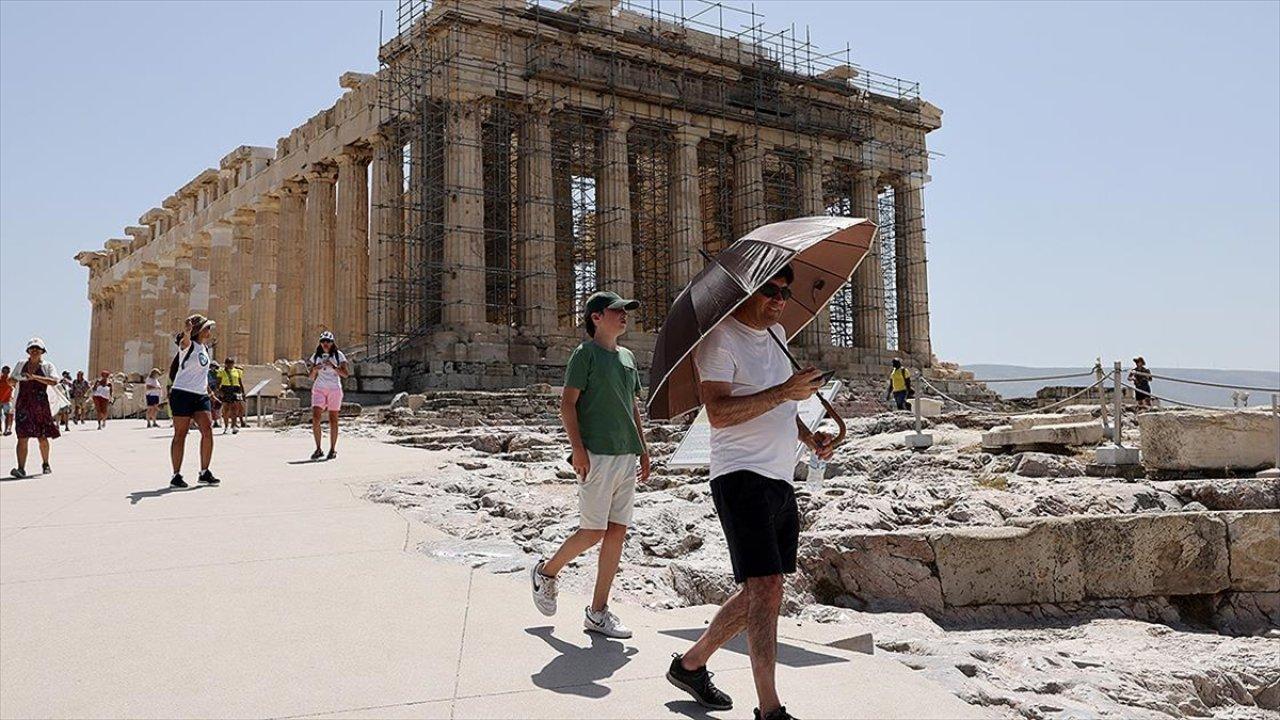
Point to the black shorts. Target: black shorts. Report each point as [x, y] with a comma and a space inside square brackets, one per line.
[186, 404]
[229, 395]
[761, 523]
[153, 400]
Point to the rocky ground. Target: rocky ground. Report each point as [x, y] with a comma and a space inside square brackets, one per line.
[497, 484]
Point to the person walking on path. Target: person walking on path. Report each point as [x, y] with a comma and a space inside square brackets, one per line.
[154, 396]
[79, 397]
[899, 385]
[1140, 376]
[215, 406]
[231, 391]
[601, 416]
[102, 397]
[751, 396]
[7, 384]
[328, 367]
[39, 399]
[190, 399]
[64, 415]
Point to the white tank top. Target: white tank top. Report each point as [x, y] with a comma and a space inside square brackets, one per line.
[193, 375]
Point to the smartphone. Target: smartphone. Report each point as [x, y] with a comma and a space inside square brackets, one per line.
[826, 376]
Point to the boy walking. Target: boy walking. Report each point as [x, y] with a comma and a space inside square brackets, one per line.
[601, 416]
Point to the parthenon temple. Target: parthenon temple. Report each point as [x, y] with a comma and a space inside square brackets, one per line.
[450, 212]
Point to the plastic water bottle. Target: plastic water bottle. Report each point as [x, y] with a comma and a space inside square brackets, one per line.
[817, 472]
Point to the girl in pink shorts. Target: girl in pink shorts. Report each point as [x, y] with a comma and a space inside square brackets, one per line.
[328, 367]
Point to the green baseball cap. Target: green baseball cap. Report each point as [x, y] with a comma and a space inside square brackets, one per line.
[604, 300]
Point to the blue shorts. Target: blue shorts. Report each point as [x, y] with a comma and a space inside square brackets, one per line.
[186, 404]
[153, 400]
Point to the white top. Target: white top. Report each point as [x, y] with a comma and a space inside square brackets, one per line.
[193, 375]
[327, 378]
[153, 386]
[102, 391]
[750, 360]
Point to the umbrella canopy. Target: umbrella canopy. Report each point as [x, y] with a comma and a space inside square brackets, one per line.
[823, 252]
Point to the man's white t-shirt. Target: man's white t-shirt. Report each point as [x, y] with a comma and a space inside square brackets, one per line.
[193, 375]
[749, 359]
[327, 378]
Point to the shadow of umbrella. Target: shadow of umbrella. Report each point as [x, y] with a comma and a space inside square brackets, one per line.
[577, 670]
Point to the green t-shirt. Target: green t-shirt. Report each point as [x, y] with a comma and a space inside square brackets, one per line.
[609, 383]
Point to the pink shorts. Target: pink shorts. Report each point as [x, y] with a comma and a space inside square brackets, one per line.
[328, 398]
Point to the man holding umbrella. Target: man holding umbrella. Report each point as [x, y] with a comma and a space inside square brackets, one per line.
[723, 345]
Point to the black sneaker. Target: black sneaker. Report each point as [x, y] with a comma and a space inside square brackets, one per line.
[206, 477]
[332, 454]
[18, 473]
[777, 714]
[46, 469]
[318, 454]
[177, 481]
[698, 684]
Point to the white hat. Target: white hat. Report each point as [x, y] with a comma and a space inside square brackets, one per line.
[326, 335]
[36, 342]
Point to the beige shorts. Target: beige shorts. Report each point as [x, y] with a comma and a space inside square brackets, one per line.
[608, 493]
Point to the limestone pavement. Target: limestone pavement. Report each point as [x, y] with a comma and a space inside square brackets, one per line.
[282, 593]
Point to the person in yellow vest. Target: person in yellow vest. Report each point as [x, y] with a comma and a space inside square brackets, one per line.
[899, 385]
[231, 391]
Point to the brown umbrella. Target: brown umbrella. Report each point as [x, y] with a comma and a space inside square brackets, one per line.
[823, 251]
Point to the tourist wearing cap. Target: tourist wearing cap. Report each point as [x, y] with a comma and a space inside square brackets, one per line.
[1140, 376]
[189, 399]
[102, 397]
[154, 395]
[7, 384]
[601, 415]
[231, 392]
[80, 388]
[39, 399]
[328, 367]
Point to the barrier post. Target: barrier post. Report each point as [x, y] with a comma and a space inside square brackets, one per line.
[1274, 472]
[1116, 454]
[1119, 408]
[918, 441]
[1102, 394]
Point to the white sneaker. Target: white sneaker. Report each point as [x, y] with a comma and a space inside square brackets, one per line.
[605, 623]
[544, 589]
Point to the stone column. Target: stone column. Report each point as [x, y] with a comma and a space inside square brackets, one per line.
[748, 186]
[289, 275]
[818, 332]
[462, 290]
[868, 282]
[180, 298]
[913, 285]
[615, 269]
[386, 249]
[686, 213]
[535, 219]
[351, 249]
[262, 294]
[198, 298]
[155, 312]
[131, 322]
[239, 310]
[220, 284]
[102, 357]
[317, 280]
[96, 317]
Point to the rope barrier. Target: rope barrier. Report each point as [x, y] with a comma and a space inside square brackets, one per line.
[1030, 379]
[1169, 400]
[1217, 385]
[1051, 406]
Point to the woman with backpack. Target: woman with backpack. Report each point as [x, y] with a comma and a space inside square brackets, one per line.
[189, 399]
[328, 367]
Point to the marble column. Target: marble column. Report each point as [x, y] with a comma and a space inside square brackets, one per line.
[351, 249]
[686, 213]
[615, 265]
[102, 357]
[220, 285]
[912, 278]
[131, 323]
[289, 276]
[386, 247]
[317, 281]
[868, 282]
[462, 290]
[180, 298]
[262, 293]
[817, 333]
[535, 220]
[152, 315]
[239, 310]
[198, 300]
[748, 186]
[96, 317]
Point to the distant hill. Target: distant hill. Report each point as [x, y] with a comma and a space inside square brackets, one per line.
[1195, 394]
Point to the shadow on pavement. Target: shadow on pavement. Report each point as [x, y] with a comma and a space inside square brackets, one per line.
[136, 497]
[689, 709]
[789, 655]
[577, 670]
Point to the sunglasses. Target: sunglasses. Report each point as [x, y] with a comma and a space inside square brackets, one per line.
[772, 291]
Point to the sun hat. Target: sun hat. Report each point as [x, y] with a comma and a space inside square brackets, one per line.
[326, 335]
[36, 342]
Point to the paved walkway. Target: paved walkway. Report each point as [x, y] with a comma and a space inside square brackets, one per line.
[282, 593]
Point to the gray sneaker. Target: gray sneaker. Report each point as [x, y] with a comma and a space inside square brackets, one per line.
[544, 589]
[605, 623]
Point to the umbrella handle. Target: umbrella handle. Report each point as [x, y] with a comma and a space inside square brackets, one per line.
[826, 405]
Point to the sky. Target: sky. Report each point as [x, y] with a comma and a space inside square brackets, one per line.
[1108, 181]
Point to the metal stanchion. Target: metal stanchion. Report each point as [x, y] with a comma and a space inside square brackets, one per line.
[1116, 454]
[1274, 472]
[918, 440]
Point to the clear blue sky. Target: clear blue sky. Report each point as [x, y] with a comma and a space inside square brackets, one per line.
[1110, 185]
